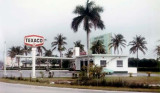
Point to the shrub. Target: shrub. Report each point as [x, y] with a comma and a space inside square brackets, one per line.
[37, 80]
[75, 75]
[117, 83]
[42, 74]
[138, 85]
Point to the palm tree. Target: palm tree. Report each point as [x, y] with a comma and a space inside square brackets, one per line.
[39, 49]
[98, 47]
[78, 44]
[59, 42]
[12, 53]
[69, 53]
[40, 52]
[138, 43]
[90, 15]
[27, 50]
[16, 51]
[48, 52]
[157, 50]
[117, 42]
[19, 51]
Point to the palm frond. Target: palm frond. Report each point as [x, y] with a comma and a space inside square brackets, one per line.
[79, 10]
[76, 22]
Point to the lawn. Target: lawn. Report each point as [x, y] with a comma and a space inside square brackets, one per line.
[151, 72]
[149, 80]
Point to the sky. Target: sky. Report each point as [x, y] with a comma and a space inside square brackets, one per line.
[48, 18]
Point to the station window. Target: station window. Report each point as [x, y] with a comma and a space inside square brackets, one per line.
[103, 63]
[119, 63]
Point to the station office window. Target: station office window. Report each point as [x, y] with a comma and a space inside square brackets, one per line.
[103, 63]
[119, 63]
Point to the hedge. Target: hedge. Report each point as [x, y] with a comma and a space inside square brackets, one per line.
[154, 69]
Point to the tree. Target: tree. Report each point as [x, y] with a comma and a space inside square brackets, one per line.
[39, 49]
[59, 44]
[78, 44]
[157, 50]
[11, 53]
[137, 44]
[69, 53]
[90, 15]
[117, 42]
[98, 47]
[48, 52]
[27, 50]
[16, 51]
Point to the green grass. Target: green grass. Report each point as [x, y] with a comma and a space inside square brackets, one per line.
[148, 71]
[150, 80]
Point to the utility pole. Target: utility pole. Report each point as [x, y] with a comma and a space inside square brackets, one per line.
[4, 64]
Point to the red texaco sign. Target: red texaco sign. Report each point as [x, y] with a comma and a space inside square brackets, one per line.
[33, 40]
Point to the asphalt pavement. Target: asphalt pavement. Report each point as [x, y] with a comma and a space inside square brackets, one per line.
[20, 88]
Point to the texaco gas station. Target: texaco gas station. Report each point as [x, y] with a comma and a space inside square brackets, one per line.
[116, 63]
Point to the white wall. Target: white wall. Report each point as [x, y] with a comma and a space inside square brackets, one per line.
[112, 62]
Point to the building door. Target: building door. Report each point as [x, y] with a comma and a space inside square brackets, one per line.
[81, 65]
[86, 63]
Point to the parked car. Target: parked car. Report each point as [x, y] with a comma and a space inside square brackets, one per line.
[108, 71]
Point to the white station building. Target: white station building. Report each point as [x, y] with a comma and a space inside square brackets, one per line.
[117, 63]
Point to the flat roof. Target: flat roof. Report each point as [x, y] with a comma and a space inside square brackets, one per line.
[64, 58]
[103, 55]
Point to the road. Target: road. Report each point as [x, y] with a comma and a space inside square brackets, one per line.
[20, 88]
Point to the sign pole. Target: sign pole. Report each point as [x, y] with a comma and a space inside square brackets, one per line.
[33, 41]
[33, 61]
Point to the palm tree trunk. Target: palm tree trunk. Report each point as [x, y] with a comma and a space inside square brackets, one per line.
[18, 59]
[137, 58]
[12, 62]
[61, 59]
[26, 60]
[39, 62]
[88, 51]
[87, 42]
[87, 1]
[47, 64]
[137, 53]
